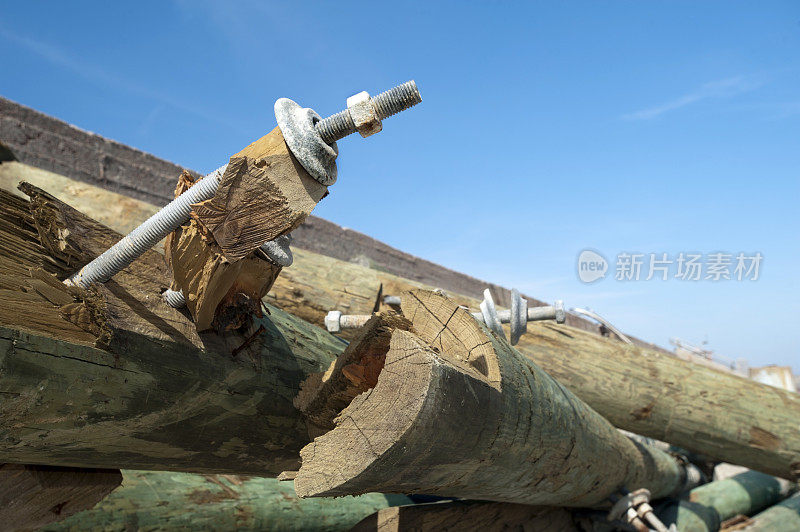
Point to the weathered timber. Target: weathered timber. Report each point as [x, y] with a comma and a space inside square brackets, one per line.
[782, 517]
[33, 496]
[455, 412]
[640, 390]
[707, 506]
[720, 415]
[150, 500]
[114, 377]
[467, 515]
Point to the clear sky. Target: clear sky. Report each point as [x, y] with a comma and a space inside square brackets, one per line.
[545, 129]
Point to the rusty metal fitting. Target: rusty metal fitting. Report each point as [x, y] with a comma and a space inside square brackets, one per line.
[364, 115]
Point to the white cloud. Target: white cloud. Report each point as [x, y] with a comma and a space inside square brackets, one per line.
[101, 76]
[715, 89]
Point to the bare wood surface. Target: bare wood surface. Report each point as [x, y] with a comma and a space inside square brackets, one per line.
[33, 496]
[114, 377]
[463, 515]
[264, 193]
[457, 413]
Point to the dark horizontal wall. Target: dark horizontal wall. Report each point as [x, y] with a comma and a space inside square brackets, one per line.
[48, 143]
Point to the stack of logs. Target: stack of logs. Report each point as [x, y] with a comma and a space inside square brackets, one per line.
[424, 401]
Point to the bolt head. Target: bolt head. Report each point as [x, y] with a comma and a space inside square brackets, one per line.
[561, 314]
[332, 322]
[364, 114]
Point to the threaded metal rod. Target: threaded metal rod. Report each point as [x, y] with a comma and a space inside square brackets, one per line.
[533, 314]
[123, 253]
[386, 104]
[174, 214]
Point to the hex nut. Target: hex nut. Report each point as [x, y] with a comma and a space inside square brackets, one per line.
[364, 114]
[332, 321]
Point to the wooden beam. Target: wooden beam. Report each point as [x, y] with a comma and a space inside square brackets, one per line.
[150, 500]
[717, 414]
[640, 390]
[782, 517]
[447, 409]
[113, 377]
[707, 506]
[472, 515]
[33, 496]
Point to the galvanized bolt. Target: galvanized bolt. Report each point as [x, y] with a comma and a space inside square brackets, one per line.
[335, 321]
[518, 316]
[391, 300]
[364, 114]
[309, 140]
[634, 509]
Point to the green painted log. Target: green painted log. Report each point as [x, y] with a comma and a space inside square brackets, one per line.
[783, 517]
[709, 505]
[149, 500]
[113, 377]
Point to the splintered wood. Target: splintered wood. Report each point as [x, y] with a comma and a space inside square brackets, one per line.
[114, 377]
[264, 193]
[456, 412]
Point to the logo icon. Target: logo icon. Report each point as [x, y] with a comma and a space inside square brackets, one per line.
[592, 266]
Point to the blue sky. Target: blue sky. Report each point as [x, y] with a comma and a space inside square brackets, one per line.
[546, 128]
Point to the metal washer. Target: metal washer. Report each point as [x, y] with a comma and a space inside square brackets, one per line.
[298, 127]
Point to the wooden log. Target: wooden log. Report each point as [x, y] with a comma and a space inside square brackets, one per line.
[640, 390]
[125, 380]
[33, 496]
[782, 517]
[717, 414]
[150, 500]
[456, 412]
[707, 506]
[463, 515]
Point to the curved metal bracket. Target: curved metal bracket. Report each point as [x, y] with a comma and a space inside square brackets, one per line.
[490, 317]
[519, 316]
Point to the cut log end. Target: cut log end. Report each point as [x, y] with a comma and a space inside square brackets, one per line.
[385, 411]
[369, 397]
[457, 412]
